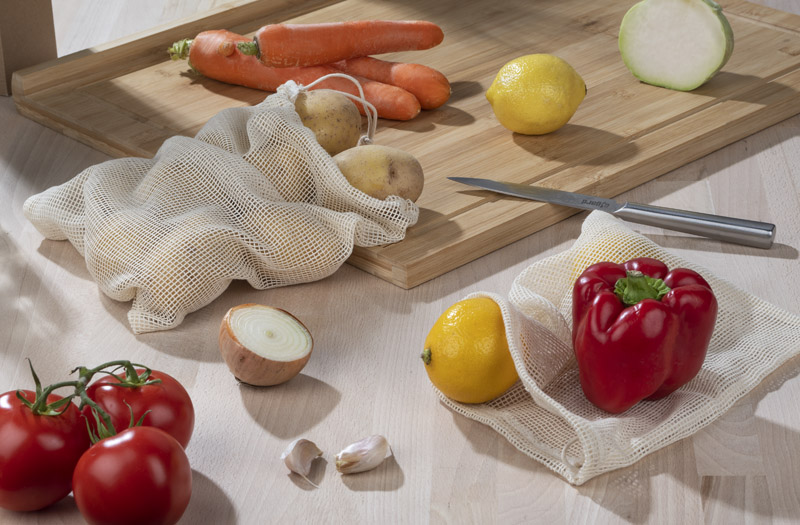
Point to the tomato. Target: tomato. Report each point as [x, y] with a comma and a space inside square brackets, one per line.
[141, 475]
[170, 407]
[37, 452]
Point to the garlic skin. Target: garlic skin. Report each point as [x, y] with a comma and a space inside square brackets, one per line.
[363, 455]
[299, 455]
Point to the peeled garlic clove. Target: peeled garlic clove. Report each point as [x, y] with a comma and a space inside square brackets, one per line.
[363, 455]
[299, 455]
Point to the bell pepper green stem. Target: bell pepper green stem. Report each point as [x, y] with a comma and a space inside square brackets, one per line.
[636, 287]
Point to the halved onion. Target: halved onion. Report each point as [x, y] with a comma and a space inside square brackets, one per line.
[263, 345]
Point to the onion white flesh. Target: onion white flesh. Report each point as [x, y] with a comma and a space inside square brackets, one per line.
[677, 44]
[263, 345]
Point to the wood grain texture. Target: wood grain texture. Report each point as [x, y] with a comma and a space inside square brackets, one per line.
[126, 98]
[365, 376]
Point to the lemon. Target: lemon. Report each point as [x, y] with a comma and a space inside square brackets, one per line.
[466, 352]
[536, 94]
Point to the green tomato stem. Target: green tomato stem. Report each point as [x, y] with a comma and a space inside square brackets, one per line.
[40, 406]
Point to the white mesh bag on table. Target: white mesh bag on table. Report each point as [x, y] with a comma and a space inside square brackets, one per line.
[252, 196]
[546, 416]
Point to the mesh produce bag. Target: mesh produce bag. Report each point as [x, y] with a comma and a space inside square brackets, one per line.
[546, 416]
[252, 196]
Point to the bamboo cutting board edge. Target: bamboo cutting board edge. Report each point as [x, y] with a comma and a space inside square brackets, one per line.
[391, 263]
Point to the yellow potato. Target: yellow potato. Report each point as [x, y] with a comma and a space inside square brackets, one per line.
[332, 117]
[287, 168]
[290, 240]
[189, 266]
[380, 171]
[114, 247]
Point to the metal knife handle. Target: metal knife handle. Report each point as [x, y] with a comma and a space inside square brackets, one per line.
[739, 231]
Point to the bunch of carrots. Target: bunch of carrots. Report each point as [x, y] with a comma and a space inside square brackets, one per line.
[306, 52]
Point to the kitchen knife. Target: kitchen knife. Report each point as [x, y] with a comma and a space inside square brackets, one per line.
[729, 229]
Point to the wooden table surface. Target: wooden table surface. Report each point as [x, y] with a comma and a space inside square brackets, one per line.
[365, 376]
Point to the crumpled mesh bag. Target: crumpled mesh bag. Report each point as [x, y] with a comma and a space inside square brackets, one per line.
[546, 416]
[252, 196]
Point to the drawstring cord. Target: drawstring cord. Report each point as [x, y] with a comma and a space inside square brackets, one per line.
[574, 466]
[369, 110]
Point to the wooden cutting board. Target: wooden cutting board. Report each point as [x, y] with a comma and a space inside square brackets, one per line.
[126, 98]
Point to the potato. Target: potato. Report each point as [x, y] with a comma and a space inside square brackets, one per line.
[332, 117]
[188, 267]
[114, 246]
[292, 242]
[287, 168]
[380, 171]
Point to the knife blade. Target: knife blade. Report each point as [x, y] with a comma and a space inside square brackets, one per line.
[728, 229]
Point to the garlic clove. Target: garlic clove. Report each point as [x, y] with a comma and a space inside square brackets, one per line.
[363, 455]
[299, 455]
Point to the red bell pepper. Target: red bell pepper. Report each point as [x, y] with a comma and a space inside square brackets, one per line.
[639, 330]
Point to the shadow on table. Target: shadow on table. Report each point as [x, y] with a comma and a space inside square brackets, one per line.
[446, 116]
[777, 251]
[287, 411]
[209, 503]
[386, 477]
[484, 440]
[31, 316]
[744, 88]
[568, 145]
[519, 254]
[65, 256]
[628, 492]
[63, 511]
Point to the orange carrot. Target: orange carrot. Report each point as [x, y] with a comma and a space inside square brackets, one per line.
[288, 45]
[214, 54]
[429, 86]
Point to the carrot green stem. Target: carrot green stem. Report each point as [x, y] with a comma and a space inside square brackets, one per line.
[248, 48]
[180, 49]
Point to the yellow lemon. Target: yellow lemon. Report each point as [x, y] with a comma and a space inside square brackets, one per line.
[466, 352]
[536, 94]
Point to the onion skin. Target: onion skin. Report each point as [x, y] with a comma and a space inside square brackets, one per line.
[251, 368]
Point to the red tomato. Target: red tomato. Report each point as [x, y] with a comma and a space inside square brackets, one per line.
[169, 404]
[141, 475]
[37, 453]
